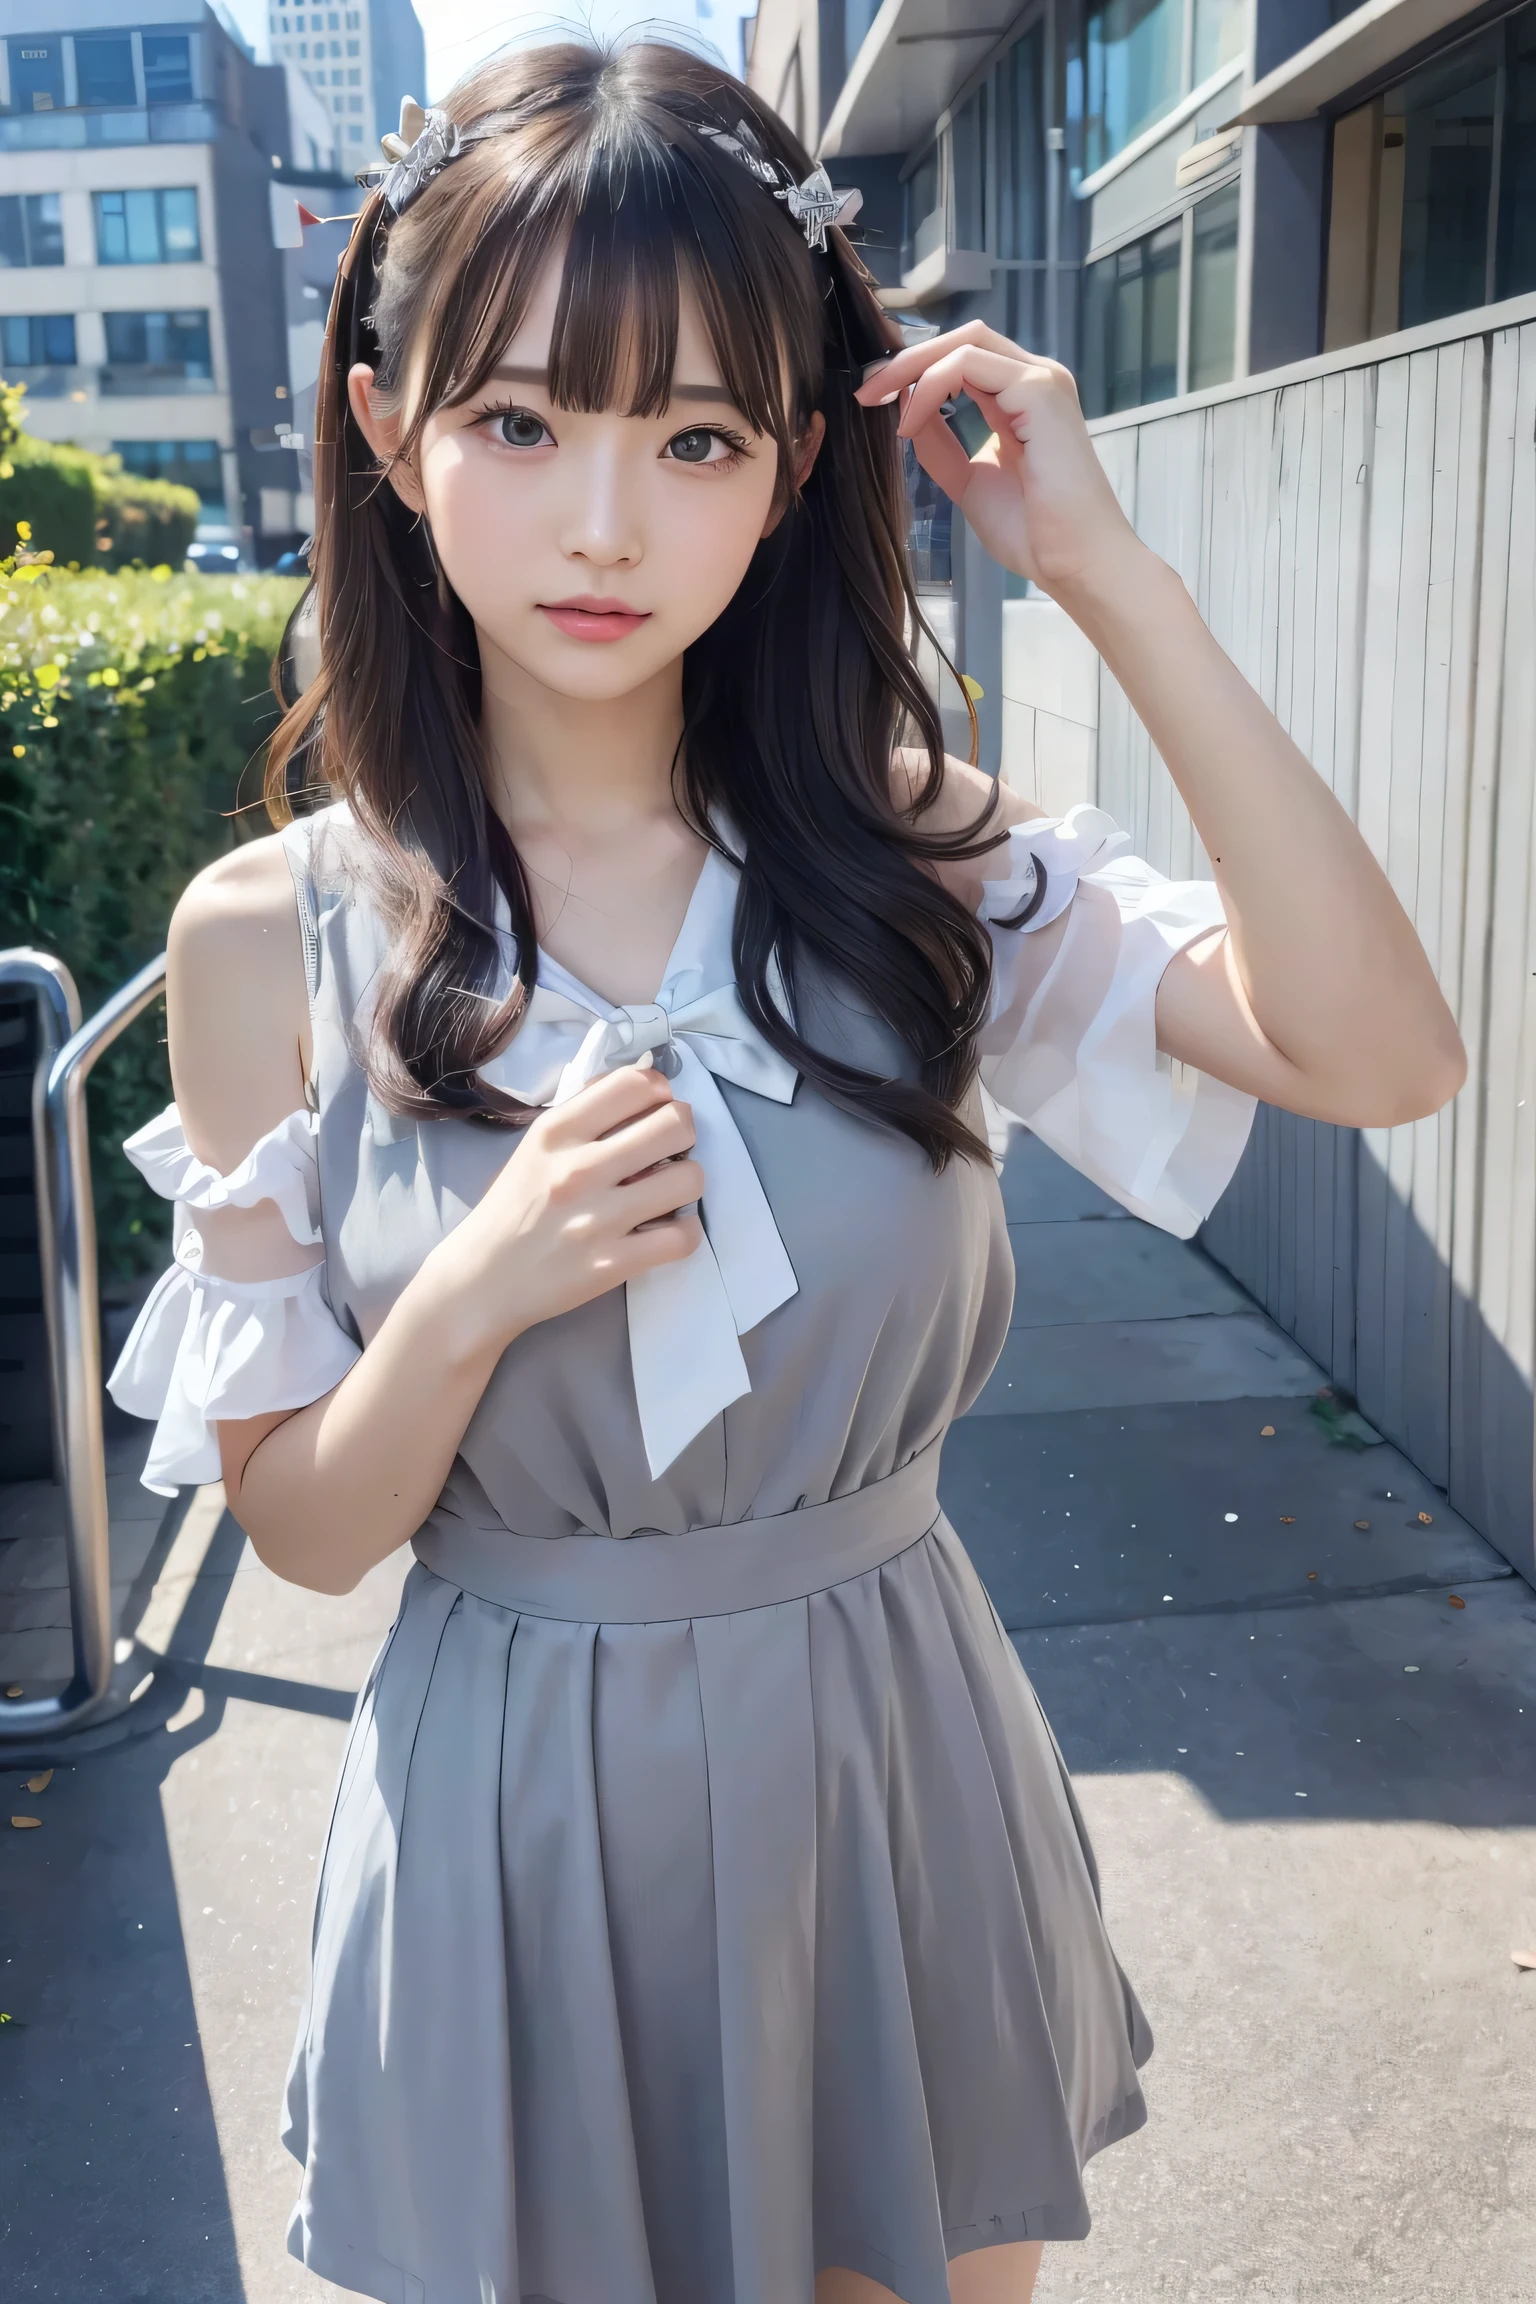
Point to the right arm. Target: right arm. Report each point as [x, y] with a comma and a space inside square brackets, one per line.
[591, 1198]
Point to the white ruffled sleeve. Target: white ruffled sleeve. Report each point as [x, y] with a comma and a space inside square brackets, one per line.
[205, 1348]
[1070, 1048]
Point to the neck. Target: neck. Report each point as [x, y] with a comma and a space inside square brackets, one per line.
[587, 769]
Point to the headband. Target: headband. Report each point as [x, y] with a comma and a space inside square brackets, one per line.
[429, 140]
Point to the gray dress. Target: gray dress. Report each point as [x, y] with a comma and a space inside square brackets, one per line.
[706, 1902]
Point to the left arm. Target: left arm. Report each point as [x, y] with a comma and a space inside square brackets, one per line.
[1319, 997]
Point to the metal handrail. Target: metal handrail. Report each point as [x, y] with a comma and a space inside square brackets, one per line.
[67, 1244]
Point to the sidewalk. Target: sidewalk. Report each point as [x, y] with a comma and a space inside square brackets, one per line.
[1310, 1779]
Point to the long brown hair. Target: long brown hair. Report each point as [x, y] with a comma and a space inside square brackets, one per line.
[794, 700]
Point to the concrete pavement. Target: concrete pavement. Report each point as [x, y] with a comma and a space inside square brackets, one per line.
[1309, 1776]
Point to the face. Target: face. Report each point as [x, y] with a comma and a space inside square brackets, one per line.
[590, 550]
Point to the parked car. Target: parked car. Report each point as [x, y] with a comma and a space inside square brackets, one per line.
[217, 549]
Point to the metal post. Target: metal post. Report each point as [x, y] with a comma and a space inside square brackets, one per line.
[67, 1238]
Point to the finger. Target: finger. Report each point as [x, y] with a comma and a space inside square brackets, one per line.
[968, 370]
[603, 1105]
[671, 1241]
[882, 384]
[943, 457]
[675, 1184]
[625, 1152]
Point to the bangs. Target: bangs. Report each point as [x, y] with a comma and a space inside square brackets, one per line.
[640, 212]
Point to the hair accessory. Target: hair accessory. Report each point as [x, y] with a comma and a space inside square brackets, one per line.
[426, 143]
[814, 204]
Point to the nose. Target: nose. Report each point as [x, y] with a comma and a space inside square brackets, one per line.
[602, 525]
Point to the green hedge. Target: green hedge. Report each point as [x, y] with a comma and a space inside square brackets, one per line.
[83, 508]
[133, 714]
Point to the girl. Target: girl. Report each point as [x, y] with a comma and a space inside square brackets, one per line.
[583, 1179]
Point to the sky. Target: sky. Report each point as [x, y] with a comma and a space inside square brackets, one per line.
[460, 32]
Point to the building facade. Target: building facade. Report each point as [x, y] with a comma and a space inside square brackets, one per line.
[361, 60]
[1168, 195]
[142, 298]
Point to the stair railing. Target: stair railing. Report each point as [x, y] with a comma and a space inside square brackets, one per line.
[66, 1222]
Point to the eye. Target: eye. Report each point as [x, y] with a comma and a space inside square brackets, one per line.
[519, 428]
[703, 444]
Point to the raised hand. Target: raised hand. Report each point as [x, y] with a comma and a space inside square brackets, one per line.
[1035, 494]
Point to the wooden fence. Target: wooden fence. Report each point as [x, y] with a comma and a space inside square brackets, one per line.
[1360, 534]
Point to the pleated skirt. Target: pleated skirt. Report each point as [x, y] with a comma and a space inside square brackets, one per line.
[673, 1962]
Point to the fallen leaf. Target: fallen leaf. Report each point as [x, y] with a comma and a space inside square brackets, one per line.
[1362, 1523]
[1311, 1575]
[40, 1783]
[1287, 1519]
[26, 1823]
[1524, 1959]
[1426, 1519]
[1456, 1600]
[17, 1691]
[1266, 1431]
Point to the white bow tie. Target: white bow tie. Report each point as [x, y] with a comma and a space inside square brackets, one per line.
[684, 1319]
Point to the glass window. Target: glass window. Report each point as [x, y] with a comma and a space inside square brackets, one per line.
[1131, 324]
[1018, 116]
[924, 230]
[176, 343]
[104, 68]
[37, 73]
[148, 227]
[1444, 116]
[968, 162]
[1515, 264]
[44, 340]
[31, 229]
[1221, 26]
[167, 68]
[1213, 291]
[188, 463]
[1134, 72]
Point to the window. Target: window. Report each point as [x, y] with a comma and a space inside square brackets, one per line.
[353, 20]
[1131, 324]
[1221, 26]
[1017, 116]
[1134, 56]
[924, 211]
[1213, 291]
[354, 79]
[1434, 188]
[46, 340]
[37, 74]
[1136, 59]
[354, 103]
[167, 68]
[354, 47]
[156, 348]
[187, 463]
[104, 69]
[147, 227]
[30, 229]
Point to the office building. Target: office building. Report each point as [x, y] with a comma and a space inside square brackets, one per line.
[142, 298]
[1172, 194]
[362, 60]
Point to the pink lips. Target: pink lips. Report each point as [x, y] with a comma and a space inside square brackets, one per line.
[591, 619]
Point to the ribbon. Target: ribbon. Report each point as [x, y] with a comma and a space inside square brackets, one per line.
[684, 1319]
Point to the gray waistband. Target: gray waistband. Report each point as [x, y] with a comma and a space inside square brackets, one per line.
[657, 1578]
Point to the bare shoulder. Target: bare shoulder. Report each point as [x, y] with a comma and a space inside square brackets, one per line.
[968, 797]
[237, 1002]
[965, 795]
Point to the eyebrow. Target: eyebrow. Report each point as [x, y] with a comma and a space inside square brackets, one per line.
[711, 392]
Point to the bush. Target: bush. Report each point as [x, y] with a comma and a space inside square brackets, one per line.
[53, 491]
[84, 509]
[134, 711]
[149, 520]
